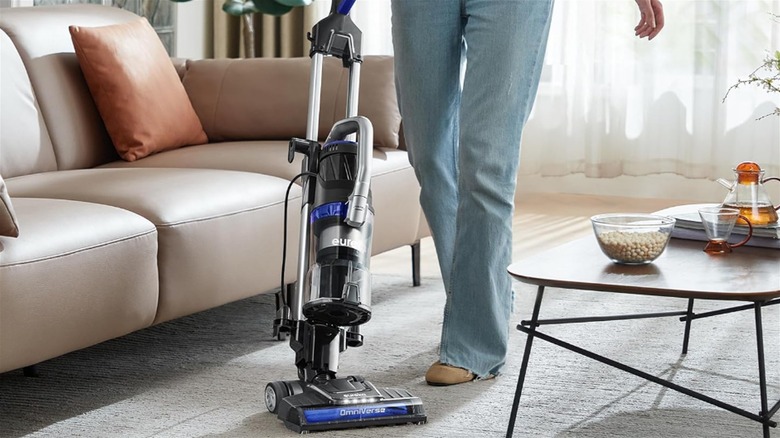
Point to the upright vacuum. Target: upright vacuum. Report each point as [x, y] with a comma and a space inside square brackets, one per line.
[331, 298]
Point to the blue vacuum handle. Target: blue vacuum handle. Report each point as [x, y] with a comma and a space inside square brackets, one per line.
[344, 6]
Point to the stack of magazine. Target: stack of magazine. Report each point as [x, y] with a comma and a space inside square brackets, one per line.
[688, 226]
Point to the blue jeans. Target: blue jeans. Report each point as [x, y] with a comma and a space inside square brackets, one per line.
[467, 73]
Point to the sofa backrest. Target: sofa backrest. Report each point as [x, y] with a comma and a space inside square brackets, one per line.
[261, 98]
[41, 37]
[25, 146]
[235, 99]
[377, 99]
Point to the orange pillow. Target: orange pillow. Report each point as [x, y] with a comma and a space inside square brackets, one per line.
[136, 89]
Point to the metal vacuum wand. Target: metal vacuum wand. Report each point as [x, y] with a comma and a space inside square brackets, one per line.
[357, 207]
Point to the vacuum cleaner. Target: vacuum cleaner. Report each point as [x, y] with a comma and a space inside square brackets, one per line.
[323, 311]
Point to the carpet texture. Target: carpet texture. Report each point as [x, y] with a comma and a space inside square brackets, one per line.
[203, 375]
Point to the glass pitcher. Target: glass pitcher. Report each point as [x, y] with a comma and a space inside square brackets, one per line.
[747, 194]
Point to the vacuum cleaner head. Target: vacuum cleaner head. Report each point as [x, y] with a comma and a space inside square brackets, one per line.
[347, 403]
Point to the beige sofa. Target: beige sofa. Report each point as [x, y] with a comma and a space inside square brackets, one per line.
[106, 246]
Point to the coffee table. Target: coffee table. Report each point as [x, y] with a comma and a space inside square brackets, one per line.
[748, 278]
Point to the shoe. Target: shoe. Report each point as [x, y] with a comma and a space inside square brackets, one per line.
[440, 374]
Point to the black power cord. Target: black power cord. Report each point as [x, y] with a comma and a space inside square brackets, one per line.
[284, 233]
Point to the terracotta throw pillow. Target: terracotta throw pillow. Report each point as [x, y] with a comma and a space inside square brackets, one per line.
[8, 225]
[136, 89]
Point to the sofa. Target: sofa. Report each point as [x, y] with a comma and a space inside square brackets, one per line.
[107, 246]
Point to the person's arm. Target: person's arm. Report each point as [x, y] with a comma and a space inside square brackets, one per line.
[652, 19]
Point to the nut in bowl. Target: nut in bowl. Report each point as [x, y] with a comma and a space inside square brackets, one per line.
[632, 238]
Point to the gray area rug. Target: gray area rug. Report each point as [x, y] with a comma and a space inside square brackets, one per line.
[203, 375]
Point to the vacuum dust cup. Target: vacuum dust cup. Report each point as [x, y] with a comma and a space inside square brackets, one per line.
[340, 282]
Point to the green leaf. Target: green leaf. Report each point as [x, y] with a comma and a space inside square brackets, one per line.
[243, 7]
[250, 8]
[272, 7]
[233, 7]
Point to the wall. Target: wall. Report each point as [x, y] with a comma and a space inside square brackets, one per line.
[194, 30]
[665, 186]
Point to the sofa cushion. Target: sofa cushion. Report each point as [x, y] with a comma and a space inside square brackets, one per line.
[79, 274]
[219, 232]
[8, 224]
[393, 184]
[136, 88]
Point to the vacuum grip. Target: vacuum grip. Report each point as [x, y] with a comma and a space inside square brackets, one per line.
[358, 200]
[344, 6]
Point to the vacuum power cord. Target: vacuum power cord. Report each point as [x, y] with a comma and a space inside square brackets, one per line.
[284, 232]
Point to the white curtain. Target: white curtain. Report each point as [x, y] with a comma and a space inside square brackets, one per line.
[610, 104]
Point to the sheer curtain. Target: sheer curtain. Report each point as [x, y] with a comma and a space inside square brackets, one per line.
[610, 104]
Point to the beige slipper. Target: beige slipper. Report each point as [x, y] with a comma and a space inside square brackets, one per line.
[440, 374]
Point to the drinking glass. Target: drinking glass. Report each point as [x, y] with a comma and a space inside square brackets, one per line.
[718, 224]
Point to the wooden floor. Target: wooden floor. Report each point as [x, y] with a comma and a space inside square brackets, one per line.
[541, 221]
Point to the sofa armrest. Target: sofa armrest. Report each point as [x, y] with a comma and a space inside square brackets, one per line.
[267, 98]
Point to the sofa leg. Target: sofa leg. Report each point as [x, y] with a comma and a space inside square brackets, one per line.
[30, 371]
[416, 263]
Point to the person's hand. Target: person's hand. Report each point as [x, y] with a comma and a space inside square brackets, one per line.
[652, 19]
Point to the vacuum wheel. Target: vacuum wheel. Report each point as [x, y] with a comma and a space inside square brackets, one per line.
[274, 393]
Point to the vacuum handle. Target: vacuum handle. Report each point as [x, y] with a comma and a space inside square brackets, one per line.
[357, 205]
[337, 35]
[341, 6]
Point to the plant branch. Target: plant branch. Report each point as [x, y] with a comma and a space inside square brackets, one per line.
[766, 76]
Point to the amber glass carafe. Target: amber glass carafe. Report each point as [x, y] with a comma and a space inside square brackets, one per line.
[747, 194]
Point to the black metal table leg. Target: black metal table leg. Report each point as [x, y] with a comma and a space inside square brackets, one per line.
[764, 416]
[688, 319]
[761, 368]
[524, 366]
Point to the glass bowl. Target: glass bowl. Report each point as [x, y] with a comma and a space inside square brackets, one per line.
[632, 238]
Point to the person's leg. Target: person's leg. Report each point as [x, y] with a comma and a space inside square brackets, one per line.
[505, 50]
[427, 41]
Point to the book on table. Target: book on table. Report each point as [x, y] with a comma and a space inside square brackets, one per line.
[688, 226]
